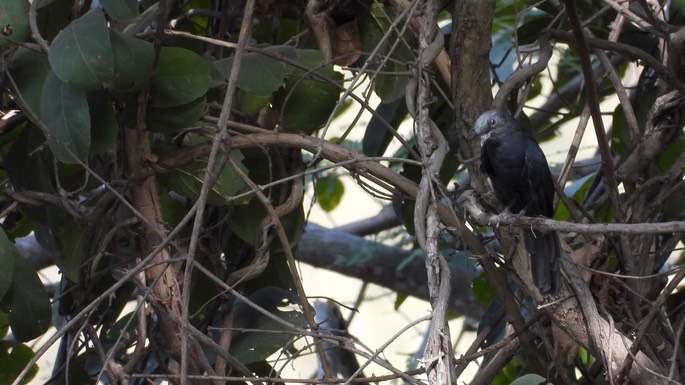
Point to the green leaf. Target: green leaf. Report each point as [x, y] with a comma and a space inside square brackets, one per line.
[14, 21]
[81, 54]
[19, 227]
[181, 76]
[121, 10]
[373, 27]
[482, 290]
[188, 180]
[133, 60]
[4, 328]
[64, 110]
[28, 163]
[244, 221]
[13, 358]
[63, 239]
[171, 120]
[252, 103]
[329, 191]
[26, 299]
[306, 103]
[29, 68]
[103, 122]
[8, 254]
[259, 74]
[399, 300]
[377, 137]
[145, 20]
[252, 346]
[528, 32]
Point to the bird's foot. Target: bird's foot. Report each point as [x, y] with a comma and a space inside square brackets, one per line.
[515, 217]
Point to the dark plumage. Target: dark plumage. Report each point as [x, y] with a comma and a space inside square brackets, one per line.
[520, 176]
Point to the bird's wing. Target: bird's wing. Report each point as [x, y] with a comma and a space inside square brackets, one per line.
[540, 181]
[485, 163]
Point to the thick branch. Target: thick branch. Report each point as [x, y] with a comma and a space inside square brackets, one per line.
[469, 202]
[380, 264]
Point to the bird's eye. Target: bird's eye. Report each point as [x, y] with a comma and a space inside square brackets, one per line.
[492, 122]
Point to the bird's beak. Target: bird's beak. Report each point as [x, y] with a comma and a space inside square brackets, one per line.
[484, 137]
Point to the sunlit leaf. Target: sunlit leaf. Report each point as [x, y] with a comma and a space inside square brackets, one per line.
[399, 300]
[329, 192]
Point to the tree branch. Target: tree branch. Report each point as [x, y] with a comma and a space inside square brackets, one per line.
[469, 202]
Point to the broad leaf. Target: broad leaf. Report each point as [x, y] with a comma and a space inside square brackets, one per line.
[245, 221]
[391, 57]
[81, 54]
[13, 358]
[259, 74]
[264, 338]
[8, 254]
[29, 164]
[145, 20]
[171, 120]
[64, 110]
[103, 122]
[121, 10]
[188, 180]
[133, 60]
[14, 21]
[329, 191]
[67, 236]
[252, 103]
[29, 69]
[181, 76]
[26, 299]
[307, 101]
[377, 137]
[4, 329]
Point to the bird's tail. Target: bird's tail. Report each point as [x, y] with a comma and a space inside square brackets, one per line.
[545, 251]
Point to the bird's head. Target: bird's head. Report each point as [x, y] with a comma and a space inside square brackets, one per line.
[490, 121]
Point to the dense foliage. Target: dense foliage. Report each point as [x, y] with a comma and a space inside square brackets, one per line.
[157, 153]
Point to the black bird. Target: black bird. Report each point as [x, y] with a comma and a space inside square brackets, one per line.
[520, 176]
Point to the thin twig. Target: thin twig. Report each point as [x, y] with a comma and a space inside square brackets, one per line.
[215, 164]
